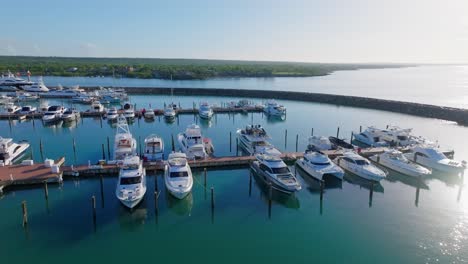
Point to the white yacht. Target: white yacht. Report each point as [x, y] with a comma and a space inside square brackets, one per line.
[53, 113]
[27, 109]
[36, 87]
[432, 157]
[169, 113]
[11, 151]
[27, 97]
[154, 148]
[360, 166]
[11, 108]
[319, 143]
[131, 186]
[205, 110]
[396, 136]
[273, 169]
[97, 107]
[70, 115]
[112, 114]
[124, 143]
[318, 165]
[254, 140]
[371, 136]
[395, 160]
[178, 175]
[191, 142]
[61, 92]
[274, 109]
[129, 112]
[149, 114]
[11, 80]
[83, 99]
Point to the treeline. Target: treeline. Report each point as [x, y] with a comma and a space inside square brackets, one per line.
[177, 69]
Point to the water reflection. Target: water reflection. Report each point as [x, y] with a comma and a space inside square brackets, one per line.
[394, 176]
[132, 219]
[275, 119]
[363, 183]
[181, 207]
[447, 178]
[283, 199]
[313, 185]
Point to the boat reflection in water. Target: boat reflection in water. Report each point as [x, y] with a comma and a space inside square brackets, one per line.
[280, 198]
[363, 183]
[313, 185]
[275, 119]
[131, 220]
[180, 207]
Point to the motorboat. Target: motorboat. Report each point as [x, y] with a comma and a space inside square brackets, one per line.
[111, 99]
[112, 114]
[97, 107]
[154, 148]
[53, 113]
[274, 109]
[169, 113]
[272, 169]
[113, 95]
[360, 166]
[70, 115]
[83, 99]
[27, 109]
[205, 110]
[318, 165]
[395, 160]
[432, 157]
[27, 97]
[11, 151]
[340, 143]
[191, 142]
[129, 112]
[36, 87]
[131, 185]
[371, 136]
[173, 106]
[149, 114]
[124, 143]
[11, 108]
[396, 136]
[320, 143]
[254, 139]
[178, 175]
[61, 92]
[11, 80]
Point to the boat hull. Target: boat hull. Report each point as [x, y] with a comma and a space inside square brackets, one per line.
[316, 174]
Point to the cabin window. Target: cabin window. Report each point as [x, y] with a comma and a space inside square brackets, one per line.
[402, 137]
[362, 162]
[178, 174]
[130, 180]
[282, 170]
[320, 163]
[349, 160]
[263, 167]
[421, 154]
[364, 135]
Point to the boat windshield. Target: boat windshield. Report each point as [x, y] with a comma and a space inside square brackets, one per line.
[362, 162]
[281, 170]
[402, 137]
[47, 114]
[130, 180]
[320, 163]
[179, 174]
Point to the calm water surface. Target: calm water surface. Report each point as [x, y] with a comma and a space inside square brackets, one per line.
[405, 222]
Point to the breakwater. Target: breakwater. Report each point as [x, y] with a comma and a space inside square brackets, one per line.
[423, 110]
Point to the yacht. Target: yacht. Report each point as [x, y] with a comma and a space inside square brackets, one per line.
[395, 160]
[205, 110]
[36, 87]
[131, 185]
[11, 80]
[169, 113]
[53, 113]
[272, 169]
[319, 143]
[274, 109]
[360, 166]
[178, 175]
[254, 140]
[149, 114]
[11, 108]
[97, 107]
[61, 92]
[129, 112]
[83, 99]
[11, 151]
[371, 136]
[112, 114]
[318, 165]
[124, 143]
[340, 143]
[27, 109]
[154, 148]
[432, 157]
[111, 99]
[27, 97]
[191, 142]
[396, 136]
[70, 115]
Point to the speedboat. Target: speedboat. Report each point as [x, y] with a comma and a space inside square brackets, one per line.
[154, 148]
[97, 107]
[273, 170]
[274, 109]
[37, 87]
[11, 108]
[169, 113]
[83, 99]
[395, 160]
[149, 114]
[205, 110]
[27, 109]
[11, 151]
[432, 157]
[129, 112]
[112, 114]
[53, 113]
[360, 166]
[27, 97]
[191, 142]
[254, 140]
[131, 186]
[318, 165]
[178, 175]
[70, 115]
[371, 136]
[124, 143]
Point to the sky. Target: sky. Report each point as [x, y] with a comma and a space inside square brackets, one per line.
[348, 31]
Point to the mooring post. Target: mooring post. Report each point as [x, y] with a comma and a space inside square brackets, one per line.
[156, 206]
[285, 138]
[204, 178]
[212, 199]
[46, 191]
[322, 183]
[297, 140]
[230, 141]
[172, 142]
[351, 139]
[41, 149]
[312, 132]
[103, 153]
[74, 149]
[25, 213]
[156, 182]
[371, 193]
[93, 205]
[338, 132]
[360, 129]
[237, 146]
[108, 148]
[34, 125]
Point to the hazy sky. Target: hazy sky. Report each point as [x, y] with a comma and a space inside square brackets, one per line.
[432, 31]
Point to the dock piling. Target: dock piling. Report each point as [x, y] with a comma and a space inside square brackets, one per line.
[74, 149]
[230, 141]
[338, 132]
[237, 146]
[360, 129]
[351, 138]
[322, 185]
[156, 206]
[312, 132]
[108, 148]
[41, 149]
[46, 190]
[371, 193]
[93, 205]
[204, 178]
[297, 141]
[172, 142]
[285, 138]
[156, 182]
[212, 199]
[25, 213]
[103, 153]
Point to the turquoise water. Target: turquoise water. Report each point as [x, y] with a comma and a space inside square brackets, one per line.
[405, 222]
[444, 85]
